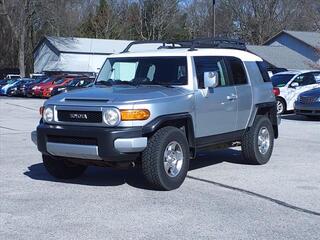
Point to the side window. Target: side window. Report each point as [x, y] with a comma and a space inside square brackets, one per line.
[305, 79]
[211, 64]
[264, 71]
[317, 76]
[237, 71]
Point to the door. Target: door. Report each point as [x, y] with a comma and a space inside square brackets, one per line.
[243, 89]
[300, 84]
[216, 108]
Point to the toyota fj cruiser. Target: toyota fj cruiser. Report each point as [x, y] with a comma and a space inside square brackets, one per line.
[159, 108]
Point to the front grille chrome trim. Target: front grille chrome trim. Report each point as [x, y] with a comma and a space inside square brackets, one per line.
[73, 150]
[78, 108]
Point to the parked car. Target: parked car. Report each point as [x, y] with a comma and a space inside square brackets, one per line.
[55, 84]
[29, 88]
[308, 104]
[18, 88]
[3, 82]
[37, 76]
[10, 83]
[290, 84]
[44, 88]
[72, 85]
[160, 108]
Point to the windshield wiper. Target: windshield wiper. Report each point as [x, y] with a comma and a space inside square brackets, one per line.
[104, 82]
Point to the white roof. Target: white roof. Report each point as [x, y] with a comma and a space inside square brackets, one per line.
[243, 55]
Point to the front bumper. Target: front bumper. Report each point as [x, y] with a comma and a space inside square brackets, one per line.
[312, 109]
[92, 143]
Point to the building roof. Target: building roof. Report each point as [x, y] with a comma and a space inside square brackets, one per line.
[310, 38]
[281, 57]
[84, 45]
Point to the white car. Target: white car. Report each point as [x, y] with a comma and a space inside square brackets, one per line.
[291, 84]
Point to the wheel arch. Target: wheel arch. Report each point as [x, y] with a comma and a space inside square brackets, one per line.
[267, 109]
[182, 121]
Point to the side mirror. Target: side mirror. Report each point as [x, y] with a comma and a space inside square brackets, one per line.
[294, 85]
[211, 79]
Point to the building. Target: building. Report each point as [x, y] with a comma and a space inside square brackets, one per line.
[290, 50]
[74, 55]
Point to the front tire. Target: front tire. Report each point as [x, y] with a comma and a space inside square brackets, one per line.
[257, 142]
[165, 161]
[62, 169]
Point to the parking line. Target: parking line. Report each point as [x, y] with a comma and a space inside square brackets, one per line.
[18, 105]
[281, 203]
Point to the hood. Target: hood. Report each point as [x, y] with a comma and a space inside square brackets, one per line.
[123, 94]
[312, 93]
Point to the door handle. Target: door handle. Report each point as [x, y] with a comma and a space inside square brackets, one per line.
[232, 97]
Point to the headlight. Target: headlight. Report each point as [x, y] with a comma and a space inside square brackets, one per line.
[318, 100]
[111, 116]
[48, 114]
[50, 89]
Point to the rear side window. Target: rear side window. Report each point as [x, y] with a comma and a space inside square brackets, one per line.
[264, 71]
[237, 71]
[212, 64]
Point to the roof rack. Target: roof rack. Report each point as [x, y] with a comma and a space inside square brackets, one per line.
[164, 44]
[193, 45]
[215, 43]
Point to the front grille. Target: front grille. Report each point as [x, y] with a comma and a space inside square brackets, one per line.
[80, 116]
[307, 100]
[72, 140]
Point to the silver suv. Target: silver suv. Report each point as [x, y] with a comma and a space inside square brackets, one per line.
[159, 108]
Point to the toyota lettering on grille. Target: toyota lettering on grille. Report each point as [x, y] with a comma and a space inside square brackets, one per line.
[78, 116]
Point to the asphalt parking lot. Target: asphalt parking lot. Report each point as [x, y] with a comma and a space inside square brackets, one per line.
[222, 198]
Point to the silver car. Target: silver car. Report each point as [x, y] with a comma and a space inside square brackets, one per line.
[159, 108]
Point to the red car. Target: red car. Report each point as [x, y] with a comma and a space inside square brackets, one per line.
[46, 93]
[44, 89]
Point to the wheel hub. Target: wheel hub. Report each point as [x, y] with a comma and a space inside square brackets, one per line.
[279, 107]
[263, 140]
[173, 159]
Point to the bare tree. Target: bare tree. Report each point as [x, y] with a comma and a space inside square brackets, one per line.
[156, 17]
[18, 28]
[256, 20]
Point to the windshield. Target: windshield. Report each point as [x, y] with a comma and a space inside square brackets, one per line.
[73, 82]
[11, 81]
[144, 71]
[281, 80]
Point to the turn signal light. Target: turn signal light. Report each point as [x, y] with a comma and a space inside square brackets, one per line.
[41, 110]
[134, 115]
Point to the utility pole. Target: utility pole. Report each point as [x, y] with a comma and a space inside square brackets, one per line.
[213, 18]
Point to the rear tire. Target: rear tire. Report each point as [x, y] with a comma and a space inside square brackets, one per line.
[165, 161]
[257, 142]
[281, 106]
[62, 169]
